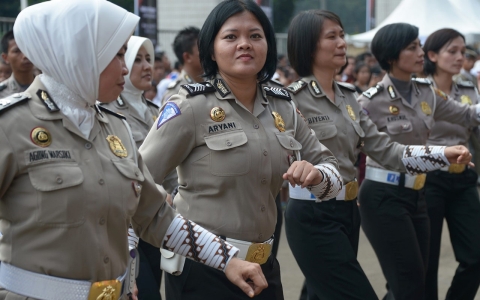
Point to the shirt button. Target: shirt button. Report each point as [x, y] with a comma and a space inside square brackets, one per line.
[101, 182]
[264, 181]
[260, 236]
[102, 221]
[88, 146]
[265, 152]
[59, 180]
[136, 173]
[323, 133]
[229, 143]
[344, 131]
[291, 143]
[262, 208]
[106, 259]
[256, 126]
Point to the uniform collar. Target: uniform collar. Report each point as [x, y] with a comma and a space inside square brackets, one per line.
[314, 87]
[391, 89]
[186, 77]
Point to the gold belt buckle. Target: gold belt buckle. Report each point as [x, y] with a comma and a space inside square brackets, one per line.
[456, 168]
[258, 253]
[105, 290]
[351, 190]
[419, 182]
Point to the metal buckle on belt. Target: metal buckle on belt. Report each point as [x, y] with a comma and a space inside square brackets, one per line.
[105, 290]
[351, 190]
[419, 182]
[258, 253]
[456, 168]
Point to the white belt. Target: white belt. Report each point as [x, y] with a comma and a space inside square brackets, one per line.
[40, 286]
[252, 252]
[300, 193]
[415, 182]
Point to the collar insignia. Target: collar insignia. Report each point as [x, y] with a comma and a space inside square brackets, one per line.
[47, 101]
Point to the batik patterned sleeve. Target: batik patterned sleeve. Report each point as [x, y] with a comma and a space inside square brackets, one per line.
[331, 184]
[422, 159]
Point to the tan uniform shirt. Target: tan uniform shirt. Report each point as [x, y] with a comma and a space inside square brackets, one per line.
[10, 87]
[446, 133]
[229, 170]
[343, 127]
[66, 202]
[411, 123]
[174, 86]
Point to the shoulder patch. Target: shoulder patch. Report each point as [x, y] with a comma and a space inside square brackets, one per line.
[441, 93]
[422, 80]
[169, 111]
[12, 100]
[277, 92]
[296, 86]
[149, 102]
[347, 85]
[173, 84]
[373, 91]
[106, 110]
[2, 86]
[467, 84]
[198, 88]
[274, 81]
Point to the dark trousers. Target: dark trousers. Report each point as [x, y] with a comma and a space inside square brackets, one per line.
[278, 227]
[395, 221]
[323, 238]
[150, 274]
[455, 198]
[200, 282]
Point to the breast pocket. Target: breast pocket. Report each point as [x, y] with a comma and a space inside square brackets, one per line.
[325, 131]
[396, 128]
[59, 200]
[358, 129]
[130, 186]
[228, 153]
[289, 146]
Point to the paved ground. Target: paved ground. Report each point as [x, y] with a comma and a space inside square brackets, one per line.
[292, 277]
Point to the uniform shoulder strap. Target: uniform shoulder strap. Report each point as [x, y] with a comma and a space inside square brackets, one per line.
[2, 86]
[422, 80]
[194, 89]
[278, 92]
[173, 84]
[374, 90]
[467, 84]
[108, 111]
[296, 86]
[12, 100]
[276, 82]
[347, 86]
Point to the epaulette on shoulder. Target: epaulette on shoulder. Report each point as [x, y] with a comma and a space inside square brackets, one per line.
[422, 80]
[2, 86]
[173, 84]
[199, 88]
[296, 86]
[149, 102]
[108, 111]
[467, 84]
[371, 92]
[12, 100]
[276, 82]
[347, 85]
[278, 92]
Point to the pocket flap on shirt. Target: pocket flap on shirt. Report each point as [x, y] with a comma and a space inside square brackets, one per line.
[288, 142]
[56, 176]
[325, 131]
[129, 169]
[395, 128]
[224, 141]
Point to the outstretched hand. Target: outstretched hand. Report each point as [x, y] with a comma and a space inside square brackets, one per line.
[247, 276]
[459, 155]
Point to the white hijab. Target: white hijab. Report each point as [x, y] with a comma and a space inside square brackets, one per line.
[131, 94]
[72, 42]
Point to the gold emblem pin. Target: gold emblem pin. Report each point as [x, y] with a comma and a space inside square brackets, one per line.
[426, 108]
[41, 137]
[394, 110]
[351, 113]
[466, 99]
[279, 123]
[391, 91]
[217, 114]
[116, 146]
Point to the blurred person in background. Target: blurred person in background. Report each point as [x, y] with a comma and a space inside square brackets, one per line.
[466, 73]
[362, 76]
[151, 92]
[5, 70]
[348, 71]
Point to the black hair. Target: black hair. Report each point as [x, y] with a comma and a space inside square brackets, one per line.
[7, 37]
[471, 52]
[359, 66]
[158, 58]
[215, 20]
[362, 56]
[434, 43]
[184, 41]
[303, 35]
[390, 40]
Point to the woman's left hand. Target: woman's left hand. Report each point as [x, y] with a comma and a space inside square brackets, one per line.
[303, 173]
[459, 155]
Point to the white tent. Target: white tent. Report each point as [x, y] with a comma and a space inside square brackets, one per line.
[431, 15]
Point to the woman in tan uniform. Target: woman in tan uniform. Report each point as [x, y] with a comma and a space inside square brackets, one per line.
[71, 179]
[451, 193]
[235, 139]
[324, 235]
[392, 205]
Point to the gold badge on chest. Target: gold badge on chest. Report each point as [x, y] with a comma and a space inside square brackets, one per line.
[426, 108]
[116, 146]
[394, 110]
[41, 137]
[465, 99]
[217, 114]
[279, 123]
[351, 113]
